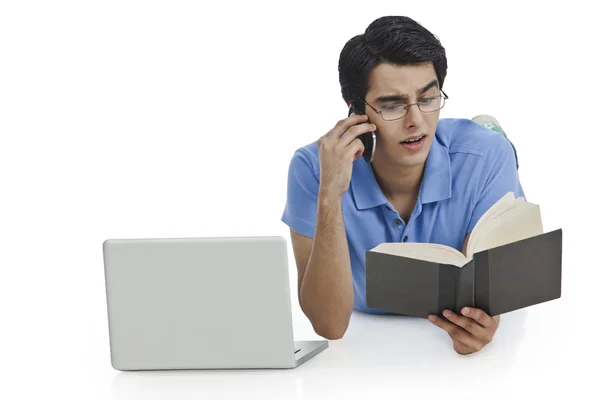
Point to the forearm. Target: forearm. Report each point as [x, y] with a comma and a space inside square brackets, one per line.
[327, 294]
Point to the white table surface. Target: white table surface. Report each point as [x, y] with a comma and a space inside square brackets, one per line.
[536, 352]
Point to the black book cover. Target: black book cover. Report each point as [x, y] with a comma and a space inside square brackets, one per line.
[498, 280]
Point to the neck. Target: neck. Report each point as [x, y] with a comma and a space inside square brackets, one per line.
[398, 181]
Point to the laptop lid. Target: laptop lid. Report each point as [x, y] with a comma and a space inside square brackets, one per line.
[198, 303]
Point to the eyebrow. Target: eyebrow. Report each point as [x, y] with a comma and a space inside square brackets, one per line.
[403, 97]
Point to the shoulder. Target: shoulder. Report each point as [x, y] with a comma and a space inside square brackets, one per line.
[309, 152]
[467, 137]
[305, 160]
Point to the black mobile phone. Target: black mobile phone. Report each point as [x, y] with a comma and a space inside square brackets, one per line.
[369, 139]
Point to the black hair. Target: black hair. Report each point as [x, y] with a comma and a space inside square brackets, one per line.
[395, 40]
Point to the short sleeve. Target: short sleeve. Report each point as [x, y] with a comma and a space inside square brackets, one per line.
[499, 175]
[300, 212]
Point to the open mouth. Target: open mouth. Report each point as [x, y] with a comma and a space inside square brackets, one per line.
[413, 141]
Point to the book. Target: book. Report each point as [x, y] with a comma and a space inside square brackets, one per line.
[509, 263]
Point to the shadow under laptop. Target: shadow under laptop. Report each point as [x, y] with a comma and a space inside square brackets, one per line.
[188, 384]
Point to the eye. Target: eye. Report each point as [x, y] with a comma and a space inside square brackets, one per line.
[393, 106]
[428, 100]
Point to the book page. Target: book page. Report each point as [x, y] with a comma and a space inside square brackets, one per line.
[484, 229]
[500, 206]
[432, 252]
[506, 201]
[518, 223]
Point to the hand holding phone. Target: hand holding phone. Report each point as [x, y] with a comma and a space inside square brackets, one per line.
[338, 149]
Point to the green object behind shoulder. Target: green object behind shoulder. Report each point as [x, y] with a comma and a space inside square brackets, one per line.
[490, 122]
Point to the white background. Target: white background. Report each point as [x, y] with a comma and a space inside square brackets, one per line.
[124, 119]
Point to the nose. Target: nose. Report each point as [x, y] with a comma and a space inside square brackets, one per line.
[413, 117]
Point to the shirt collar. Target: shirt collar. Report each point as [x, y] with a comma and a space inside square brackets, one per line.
[435, 186]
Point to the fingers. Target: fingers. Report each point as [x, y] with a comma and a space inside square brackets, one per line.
[457, 333]
[471, 331]
[357, 148]
[460, 348]
[480, 317]
[342, 141]
[343, 124]
[468, 324]
[349, 128]
[355, 131]
[350, 152]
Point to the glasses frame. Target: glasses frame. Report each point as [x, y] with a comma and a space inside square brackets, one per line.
[443, 95]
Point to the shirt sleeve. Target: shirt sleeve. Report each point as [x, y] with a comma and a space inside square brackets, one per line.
[499, 176]
[300, 212]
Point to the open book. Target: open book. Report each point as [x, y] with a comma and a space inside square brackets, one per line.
[510, 263]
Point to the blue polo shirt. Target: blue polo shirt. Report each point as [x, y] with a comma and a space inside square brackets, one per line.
[468, 169]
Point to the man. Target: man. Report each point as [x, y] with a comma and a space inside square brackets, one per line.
[430, 180]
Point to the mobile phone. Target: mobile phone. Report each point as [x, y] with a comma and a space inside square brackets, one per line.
[369, 139]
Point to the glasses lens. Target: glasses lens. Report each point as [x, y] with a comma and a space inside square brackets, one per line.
[393, 112]
[431, 104]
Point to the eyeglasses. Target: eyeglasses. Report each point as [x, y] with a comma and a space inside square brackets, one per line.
[397, 111]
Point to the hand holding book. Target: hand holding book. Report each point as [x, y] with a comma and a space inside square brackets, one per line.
[510, 263]
[469, 332]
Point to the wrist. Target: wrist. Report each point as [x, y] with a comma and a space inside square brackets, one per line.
[328, 199]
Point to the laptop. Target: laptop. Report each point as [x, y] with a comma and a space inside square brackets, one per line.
[201, 303]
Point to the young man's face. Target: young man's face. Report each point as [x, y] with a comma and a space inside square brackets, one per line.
[402, 85]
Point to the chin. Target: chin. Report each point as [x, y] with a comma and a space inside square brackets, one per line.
[401, 159]
[413, 160]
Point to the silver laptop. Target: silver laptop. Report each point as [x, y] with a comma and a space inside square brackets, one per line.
[201, 303]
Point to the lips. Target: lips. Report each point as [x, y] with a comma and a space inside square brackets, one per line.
[414, 139]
